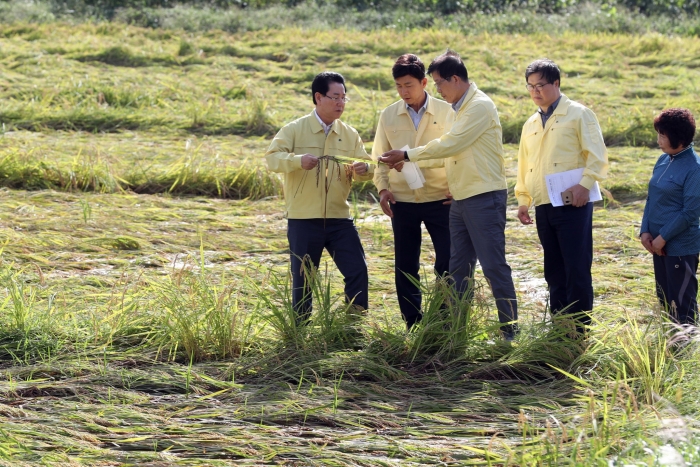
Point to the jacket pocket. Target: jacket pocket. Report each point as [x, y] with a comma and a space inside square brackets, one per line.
[461, 169]
[433, 131]
[309, 149]
[562, 164]
[532, 140]
[566, 135]
[399, 137]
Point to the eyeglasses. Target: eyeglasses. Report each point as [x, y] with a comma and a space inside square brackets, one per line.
[338, 99]
[439, 82]
[532, 87]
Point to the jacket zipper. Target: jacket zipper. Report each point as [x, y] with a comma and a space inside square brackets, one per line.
[662, 175]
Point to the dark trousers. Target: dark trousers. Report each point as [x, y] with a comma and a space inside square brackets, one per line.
[307, 240]
[477, 231]
[677, 286]
[566, 234]
[406, 224]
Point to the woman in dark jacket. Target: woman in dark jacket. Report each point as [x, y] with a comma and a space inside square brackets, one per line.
[671, 223]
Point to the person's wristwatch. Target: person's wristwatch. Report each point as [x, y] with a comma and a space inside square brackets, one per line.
[405, 156]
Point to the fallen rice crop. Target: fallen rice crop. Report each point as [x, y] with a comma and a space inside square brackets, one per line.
[144, 309]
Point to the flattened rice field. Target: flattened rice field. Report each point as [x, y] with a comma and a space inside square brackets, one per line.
[144, 300]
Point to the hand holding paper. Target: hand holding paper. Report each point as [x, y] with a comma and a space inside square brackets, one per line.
[580, 195]
[569, 181]
[412, 173]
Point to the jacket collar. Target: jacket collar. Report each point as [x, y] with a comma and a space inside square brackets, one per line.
[316, 125]
[562, 109]
[470, 95]
[429, 106]
[563, 106]
[688, 150]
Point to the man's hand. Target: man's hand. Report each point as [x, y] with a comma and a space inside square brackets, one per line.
[386, 199]
[646, 240]
[360, 168]
[524, 215]
[657, 245]
[392, 158]
[448, 195]
[308, 161]
[580, 195]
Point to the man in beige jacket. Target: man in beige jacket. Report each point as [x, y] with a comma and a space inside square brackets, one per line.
[316, 188]
[414, 120]
[562, 135]
[473, 154]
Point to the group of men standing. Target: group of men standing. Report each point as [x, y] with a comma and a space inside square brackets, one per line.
[457, 146]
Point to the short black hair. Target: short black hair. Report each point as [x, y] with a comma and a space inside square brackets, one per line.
[408, 64]
[448, 65]
[678, 125]
[322, 82]
[547, 68]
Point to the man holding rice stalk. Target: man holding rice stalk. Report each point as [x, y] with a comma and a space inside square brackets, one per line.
[473, 154]
[414, 120]
[316, 154]
[563, 137]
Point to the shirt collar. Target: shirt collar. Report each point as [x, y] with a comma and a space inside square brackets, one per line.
[551, 108]
[457, 105]
[326, 128]
[423, 107]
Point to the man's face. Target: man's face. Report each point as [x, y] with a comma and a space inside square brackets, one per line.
[448, 88]
[411, 89]
[543, 94]
[331, 105]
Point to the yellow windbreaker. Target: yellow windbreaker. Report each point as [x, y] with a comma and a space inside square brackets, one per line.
[472, 149]
[571, 139]
[396, 130]
[321, 192]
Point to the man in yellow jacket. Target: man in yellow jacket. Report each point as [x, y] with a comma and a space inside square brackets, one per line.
[313, 154]
[473, 154]
[562, 135]
[414, 120]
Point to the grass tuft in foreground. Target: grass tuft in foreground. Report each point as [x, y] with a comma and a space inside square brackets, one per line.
[541, 400]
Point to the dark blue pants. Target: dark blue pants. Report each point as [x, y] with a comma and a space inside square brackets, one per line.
[566, 235]
[477, 228]
[307, 240]
[677, 286]
[406, 224]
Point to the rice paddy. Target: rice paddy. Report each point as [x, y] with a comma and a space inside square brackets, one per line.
[145, 309]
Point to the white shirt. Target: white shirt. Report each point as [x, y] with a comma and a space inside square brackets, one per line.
[326, 128]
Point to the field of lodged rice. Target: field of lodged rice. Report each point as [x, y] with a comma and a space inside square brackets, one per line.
[144, 307]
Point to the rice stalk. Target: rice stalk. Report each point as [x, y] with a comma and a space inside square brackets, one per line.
[202, 319]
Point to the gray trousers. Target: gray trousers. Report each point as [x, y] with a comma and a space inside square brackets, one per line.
[477, 231]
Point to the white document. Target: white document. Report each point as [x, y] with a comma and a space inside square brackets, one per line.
[556, 183]
[412, 173]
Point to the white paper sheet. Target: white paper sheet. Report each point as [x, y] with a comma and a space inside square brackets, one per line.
[556, 183]
[412, 173]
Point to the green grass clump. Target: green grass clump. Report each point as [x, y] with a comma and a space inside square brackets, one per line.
[201, 320]
[188, 176]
